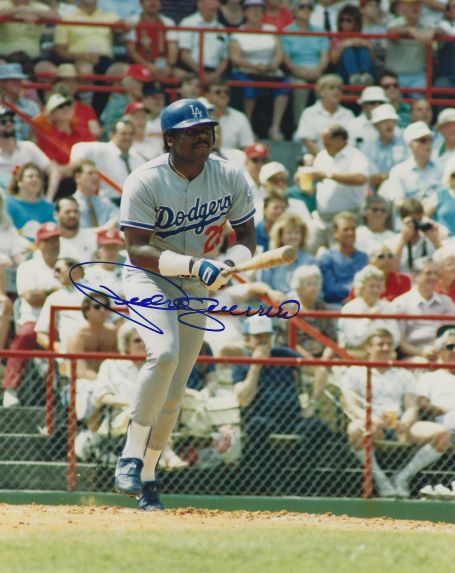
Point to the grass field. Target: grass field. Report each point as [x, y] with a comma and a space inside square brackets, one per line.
[92, 540]
[185, 551]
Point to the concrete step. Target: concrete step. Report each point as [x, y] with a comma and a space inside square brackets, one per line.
[23, 475]
[21, 420]
[21, 447]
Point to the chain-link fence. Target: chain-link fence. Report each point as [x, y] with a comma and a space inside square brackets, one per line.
[281, 442]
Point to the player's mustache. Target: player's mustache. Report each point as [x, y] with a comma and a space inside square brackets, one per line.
[201, 142]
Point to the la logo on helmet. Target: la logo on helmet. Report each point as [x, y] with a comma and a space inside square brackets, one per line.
[196, 111]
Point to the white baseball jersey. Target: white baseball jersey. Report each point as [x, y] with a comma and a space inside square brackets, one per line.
[388, 388]
[185, 216]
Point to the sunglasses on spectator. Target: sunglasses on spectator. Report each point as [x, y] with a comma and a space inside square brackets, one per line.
[390, 85]
[449, 347]
[378, 209]
[97, 306]
[305, 6]
[221, 92]
[259, 159]
[67, 104]
[384, 256]
[6, 120]
[425, 140]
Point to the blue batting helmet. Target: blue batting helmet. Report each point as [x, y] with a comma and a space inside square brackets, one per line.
[185, 113]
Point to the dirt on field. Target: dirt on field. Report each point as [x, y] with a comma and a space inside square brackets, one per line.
[104, 517]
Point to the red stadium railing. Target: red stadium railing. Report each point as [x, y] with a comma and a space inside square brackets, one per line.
[73, 357]
[428, 91]
[295, 323]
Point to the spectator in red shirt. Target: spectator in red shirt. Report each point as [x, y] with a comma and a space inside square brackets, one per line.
[149, 46]
[395, 283]
[67, 84]
[59, 129]
[277, 14]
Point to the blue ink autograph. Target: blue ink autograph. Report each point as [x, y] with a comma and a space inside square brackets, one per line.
[186, 305]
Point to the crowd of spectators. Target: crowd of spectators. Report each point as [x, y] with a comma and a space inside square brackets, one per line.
[368, 203]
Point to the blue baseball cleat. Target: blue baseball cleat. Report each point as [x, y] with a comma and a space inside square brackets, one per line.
[128, 476]
[149, 499]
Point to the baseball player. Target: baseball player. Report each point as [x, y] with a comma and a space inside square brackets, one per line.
[173, 212]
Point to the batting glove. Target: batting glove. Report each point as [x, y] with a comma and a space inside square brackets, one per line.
[208, 272]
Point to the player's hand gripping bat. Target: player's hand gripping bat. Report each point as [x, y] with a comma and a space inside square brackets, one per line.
[272, 258]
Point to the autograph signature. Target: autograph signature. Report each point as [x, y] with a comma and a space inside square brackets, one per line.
[185, 305]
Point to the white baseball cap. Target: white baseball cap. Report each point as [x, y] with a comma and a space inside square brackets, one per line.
[446, 116]
[373, 93]
[271, 169]
[383, 112]
[55, 101]
[258, 325]
[416, 130]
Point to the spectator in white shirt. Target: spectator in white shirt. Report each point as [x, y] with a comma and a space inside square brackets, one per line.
[418, 176]
[148, 146]
[215, 44]
[387, 149]
[368, 285]
[445, 149]
[231, 154]
[114, 158]
[342, 175]
[327, 111]
[236, 130]
[361, 128]
[35, 281]
[154, 101]
[436, 397]
[275, 176]
[419, 335]
[109, 245]
[14, 153]
[377, 218]
[77, 243]
[66, 321]
[436, 389]
[259, 57]
[394, 415]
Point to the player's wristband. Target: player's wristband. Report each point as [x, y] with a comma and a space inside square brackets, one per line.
[172, 264]
[237, 254]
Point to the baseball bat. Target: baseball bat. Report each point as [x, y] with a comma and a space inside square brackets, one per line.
[272, 258]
